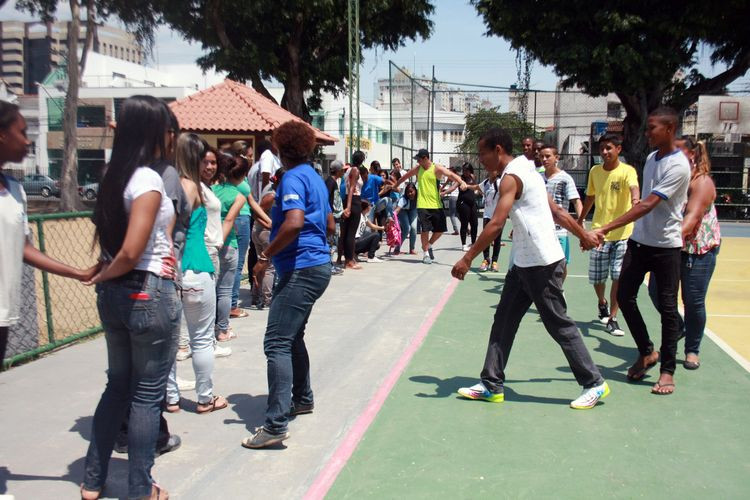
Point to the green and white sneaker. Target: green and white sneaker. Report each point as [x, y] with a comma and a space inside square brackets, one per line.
[479, 391]
[589, 397]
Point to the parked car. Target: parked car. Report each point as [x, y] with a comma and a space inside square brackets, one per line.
[41, 184]
[89, 191]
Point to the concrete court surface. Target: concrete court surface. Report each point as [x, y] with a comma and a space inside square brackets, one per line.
[356, 333]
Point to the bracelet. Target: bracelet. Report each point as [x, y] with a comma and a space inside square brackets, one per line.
[262, 257]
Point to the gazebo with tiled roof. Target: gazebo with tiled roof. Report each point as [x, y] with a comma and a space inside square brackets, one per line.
[231, 111]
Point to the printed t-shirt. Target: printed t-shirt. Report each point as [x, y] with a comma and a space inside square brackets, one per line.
[611, 189]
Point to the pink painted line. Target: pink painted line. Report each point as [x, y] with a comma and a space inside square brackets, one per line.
[341, 456]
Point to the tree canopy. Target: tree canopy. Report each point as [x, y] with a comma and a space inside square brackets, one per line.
[635, 49]
[303, 45]
[479, 122]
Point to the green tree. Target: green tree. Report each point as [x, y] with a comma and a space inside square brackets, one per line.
[635, 49]
[301, 44]
[479, 122]
[135, 14]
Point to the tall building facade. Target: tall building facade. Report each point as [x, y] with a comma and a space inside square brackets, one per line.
[29, 51]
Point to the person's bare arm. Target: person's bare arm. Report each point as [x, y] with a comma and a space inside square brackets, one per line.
[578, 207]
[353, 174]
[330, 225]
[294, 221]
[587, 204]
[702, 194]
[635, 213]
[588, 239]
[406, 176]
[33, 257]
[442, 171]
[258, 213]
[374, 227]
[635, 195]
[449, 190]
[509, 187]
[140, 224]
[234, 211]
[267, 202]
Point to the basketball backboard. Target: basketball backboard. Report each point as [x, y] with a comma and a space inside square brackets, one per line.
[723, 115]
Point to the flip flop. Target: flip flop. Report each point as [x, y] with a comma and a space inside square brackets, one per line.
[635, 377]
[657, 386]
[213, 406]
[691, 365]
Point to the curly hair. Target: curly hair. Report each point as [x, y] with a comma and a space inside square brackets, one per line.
[295, 141]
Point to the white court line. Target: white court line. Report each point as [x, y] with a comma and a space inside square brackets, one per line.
[728, 315]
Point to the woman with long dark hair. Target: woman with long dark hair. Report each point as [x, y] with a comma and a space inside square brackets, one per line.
[299, 248]
[466, 206]
[491, 191]
[198, 289]
[352, 209]
[15, 244]
[136, 295]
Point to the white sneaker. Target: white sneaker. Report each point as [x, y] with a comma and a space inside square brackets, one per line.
[466, 248]
[374, 260]
[589, 397]
[221, 351]
[185, 385]
[183, 354]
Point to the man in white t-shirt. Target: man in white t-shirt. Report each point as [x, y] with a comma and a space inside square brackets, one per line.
[655, 247]
[536, 276]
[262, 170]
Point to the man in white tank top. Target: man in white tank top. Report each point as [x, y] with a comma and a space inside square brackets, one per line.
[537, 274]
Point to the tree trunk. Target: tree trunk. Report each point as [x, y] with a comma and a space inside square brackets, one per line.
[69, 199]
[637, 106]
[294, 94]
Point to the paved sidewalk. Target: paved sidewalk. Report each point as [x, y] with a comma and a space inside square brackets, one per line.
[356, 333]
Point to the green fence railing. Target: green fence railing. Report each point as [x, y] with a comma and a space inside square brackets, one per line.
[55, 311]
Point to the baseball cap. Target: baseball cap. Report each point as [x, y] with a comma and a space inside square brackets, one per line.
[422, 153]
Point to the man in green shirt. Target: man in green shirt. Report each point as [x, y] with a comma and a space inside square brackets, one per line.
[429, 204]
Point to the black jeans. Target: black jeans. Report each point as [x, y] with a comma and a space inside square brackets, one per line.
[542, 286]
[664, 266]
[3, 345]
[369, 243]
[349, 227]
[495, 244]
[467, 214]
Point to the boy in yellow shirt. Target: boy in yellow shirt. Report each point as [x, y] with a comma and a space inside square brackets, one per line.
[612, 190]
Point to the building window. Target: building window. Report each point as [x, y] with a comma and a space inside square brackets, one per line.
[614, 110]
[91, 116]
[421, 135]
[55, 113]
[90, 164]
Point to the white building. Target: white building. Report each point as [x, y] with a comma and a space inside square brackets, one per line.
[106, 83]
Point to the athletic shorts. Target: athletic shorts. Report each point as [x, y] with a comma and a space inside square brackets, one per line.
[565, 244]
[606, 260]
[432, 219]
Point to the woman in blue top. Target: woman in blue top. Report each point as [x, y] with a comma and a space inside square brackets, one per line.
[301, 219]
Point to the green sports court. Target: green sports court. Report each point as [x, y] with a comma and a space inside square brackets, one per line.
[426, 442]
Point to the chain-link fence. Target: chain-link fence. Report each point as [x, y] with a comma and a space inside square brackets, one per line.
[443, 117]
[55, 310]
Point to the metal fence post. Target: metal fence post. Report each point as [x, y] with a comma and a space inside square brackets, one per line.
[45, 285]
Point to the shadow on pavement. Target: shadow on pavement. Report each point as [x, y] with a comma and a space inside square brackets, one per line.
[249, 409]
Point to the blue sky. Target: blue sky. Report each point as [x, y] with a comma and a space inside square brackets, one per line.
[458, 49]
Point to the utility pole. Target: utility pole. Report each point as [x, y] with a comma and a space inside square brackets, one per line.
[354, 63]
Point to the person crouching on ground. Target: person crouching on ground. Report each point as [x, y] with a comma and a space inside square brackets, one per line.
[536, 276]
[302, 219]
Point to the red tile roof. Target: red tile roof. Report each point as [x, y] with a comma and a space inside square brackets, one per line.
[233, 107]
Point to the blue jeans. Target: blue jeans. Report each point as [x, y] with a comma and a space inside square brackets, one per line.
[284, 343]
[695, 275]
[141, 320]
[224, 282]
[242, 228]
[407, 219]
